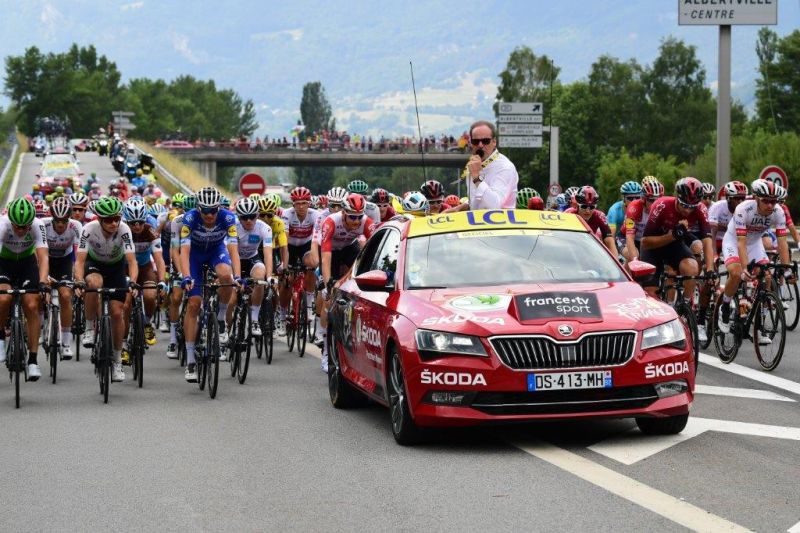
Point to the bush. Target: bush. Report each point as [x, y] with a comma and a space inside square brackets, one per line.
[615, 169]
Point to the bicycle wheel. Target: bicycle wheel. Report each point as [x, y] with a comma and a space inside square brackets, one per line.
[212, 357]
[302, 327]
[17, 356]
[105, 355]
[291, 323]
[267, 319]
[769, 331]
[686, 314]
[235, 342]
[201, 358]
[78, 324]
[790, 295]
[53, 333]
[727, 344]
[137, 350]
[245, 346]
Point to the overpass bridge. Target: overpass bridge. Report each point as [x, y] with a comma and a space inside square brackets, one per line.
[208, 160]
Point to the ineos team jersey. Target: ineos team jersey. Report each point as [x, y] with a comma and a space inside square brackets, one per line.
[747, 222]
[300, 231]
[249, 241]
[62, 244]
[102, 249]
[14, 247]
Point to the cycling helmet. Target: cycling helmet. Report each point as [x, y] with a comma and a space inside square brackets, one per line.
[40, 208]
[689, 191]
[525, 194]
[452, 201]
[536, 203]
[415, 203]
[190, 202]
[314, 201]
[300, 194]
[35, 187]
[255, 196]
[652, 188]
[268, 204]
[571, 191]
[178, 199]
[61, 208]
[21, 212]
[93, 205]
[139, 172]
[561, 202]
[709, 189]
[208, 197]
[358, 186]
[246, 206]
[224, 201]
[649, 179]
[59, 189]
[354, 204]
[764, 189]
[432, 190]
[337, 195]
[381, 196]
[586, 195]
[735, 189]
[135, 211]
[630, 188]
[78, 198]
[322, 201]
[157, 209]
[108, 206]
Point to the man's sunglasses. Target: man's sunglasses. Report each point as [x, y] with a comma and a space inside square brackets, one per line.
[588, 207]
[209, 210]
[768, 201]
[79, 209]
[355, 217]
[486, 142]
[335, 206]
[247, 218]
[382, 206]
[435, 202]
[26, 227]
[110, 220]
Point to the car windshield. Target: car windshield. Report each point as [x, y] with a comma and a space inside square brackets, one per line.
[504, 257]
[60, 171]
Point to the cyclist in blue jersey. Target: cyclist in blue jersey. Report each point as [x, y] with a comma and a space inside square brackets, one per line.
[630, 191]
[208, 236]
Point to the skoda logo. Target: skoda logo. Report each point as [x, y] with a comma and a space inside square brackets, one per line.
[565, 330]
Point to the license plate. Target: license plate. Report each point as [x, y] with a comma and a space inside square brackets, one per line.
[600, 379]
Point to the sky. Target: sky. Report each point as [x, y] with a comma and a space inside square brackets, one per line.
[360, 51]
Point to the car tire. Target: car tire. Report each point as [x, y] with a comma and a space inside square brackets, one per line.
[342, 394]
[670, 425]
[404, 430]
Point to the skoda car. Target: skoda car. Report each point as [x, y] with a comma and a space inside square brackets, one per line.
[504, 316]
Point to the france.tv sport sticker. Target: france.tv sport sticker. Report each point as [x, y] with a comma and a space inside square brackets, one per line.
[558, 305]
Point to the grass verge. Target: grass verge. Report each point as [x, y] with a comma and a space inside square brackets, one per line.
[186, 172]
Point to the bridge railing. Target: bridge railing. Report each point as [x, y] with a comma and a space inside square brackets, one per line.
[379, 147]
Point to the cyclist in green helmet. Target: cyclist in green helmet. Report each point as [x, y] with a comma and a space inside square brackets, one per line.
[24, 264]
[358, 186]
[106, 258]
[525, 194]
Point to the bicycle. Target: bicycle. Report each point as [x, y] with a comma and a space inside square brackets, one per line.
[18, 341]
[684, 310]
[789, 294]
[297, 315]
[179, 336]
[52, 327]
[103, 349]
[78, 323]
[759, 307]
[266, 318]
[240, 340]
[207, 347]
[135, 340]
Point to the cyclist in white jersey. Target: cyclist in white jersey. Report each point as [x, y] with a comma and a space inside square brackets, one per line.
[63, 236]
[23, 262]
[300, 220]
[742, 242]
[176, 291]
[106, 258]
[721, 211]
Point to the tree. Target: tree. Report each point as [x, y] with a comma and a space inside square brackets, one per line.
[779, 64]
[314, 108]
[617, 168]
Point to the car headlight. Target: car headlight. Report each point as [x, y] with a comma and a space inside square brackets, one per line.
[436, 343]
[670, 334]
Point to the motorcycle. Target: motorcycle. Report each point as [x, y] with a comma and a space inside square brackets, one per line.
[131, 166]
[119, 164]
[102, 147]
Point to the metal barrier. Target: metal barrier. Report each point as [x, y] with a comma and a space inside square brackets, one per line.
[11, 155]
[166, 174]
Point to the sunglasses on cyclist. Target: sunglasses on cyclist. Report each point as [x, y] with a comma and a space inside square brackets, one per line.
[246, 218]
[355, 217]
[79, 209]
[631, 198]
[687, 206]
[26, 227]
[135, 222]
[335, 206]
[768, 201]
[434, 202]
[588, 207]
[110, 220]
[486, 142]
[383, 206]
[209, 210]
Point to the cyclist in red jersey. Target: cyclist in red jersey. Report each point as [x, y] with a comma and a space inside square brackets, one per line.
[536, 203]
[434, 193]
[587, 199]
[637, 214]
[383, 200]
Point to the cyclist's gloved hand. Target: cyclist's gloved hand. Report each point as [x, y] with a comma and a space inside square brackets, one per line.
[186, 282]
[710, 275]
[44, 287]
[242, 282]
[162, 286]
[330, 284]
[679, 232]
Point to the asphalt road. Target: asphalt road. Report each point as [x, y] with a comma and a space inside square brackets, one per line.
[274, 455]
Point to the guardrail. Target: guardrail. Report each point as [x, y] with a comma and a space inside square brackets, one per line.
[178, 184]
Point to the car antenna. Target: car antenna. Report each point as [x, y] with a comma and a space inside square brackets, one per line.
[419, 128]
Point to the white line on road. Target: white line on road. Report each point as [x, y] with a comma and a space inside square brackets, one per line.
[12, 191]
[794, 529]
[756, 375]
[755, 394]
[663, 504]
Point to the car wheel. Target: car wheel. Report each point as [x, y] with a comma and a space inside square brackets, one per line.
[342, 394]
[404, 429]
[670, 425]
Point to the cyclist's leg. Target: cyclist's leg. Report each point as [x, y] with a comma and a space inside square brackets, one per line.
[310, 282]
[221, 263]
[258, 272]
[730, 254]
[174, 309]
[147, 278]
[94, 280]
[196, 261]
[61, 270]
[30, 306]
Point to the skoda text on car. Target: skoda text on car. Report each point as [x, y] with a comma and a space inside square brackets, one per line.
[504, 315]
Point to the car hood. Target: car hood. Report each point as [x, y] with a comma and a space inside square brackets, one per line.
[540, 308]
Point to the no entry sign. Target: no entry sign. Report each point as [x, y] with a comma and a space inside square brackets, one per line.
[252, 183]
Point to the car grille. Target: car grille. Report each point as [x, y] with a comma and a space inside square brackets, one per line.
[544, 353]
[564, 402]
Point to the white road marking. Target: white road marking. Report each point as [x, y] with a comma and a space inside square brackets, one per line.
[740, 393]
[794, 529]
[756, 375]
[654, 500]
[632, 446]
[12, 190]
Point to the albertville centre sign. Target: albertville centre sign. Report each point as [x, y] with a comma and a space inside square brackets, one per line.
[733, 12]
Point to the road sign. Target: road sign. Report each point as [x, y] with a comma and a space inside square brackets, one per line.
[520, 108]
[252, 183]
[705, 13]
[554, 189]
[520, 129]
[775, 174]
[521, 141]
[123, 113]
[519, 119]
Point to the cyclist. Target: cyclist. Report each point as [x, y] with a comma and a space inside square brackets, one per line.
[63, 235]
[106, 258]
[383, 200]
[524, 195]
[176, 291]
[253, 234]
[789, 222]
[561, 202]
[665, 237]
[452, 201]
[721, 211]
[152, 271]
[637, 214]
[434, 193]
[23, 263]
[361, 187]
[208, 236]
[570, 195]
[709, 194]
[340, 246]
[587, 199]
[536, 203]
[630, 191]
[415, 205]
[79, 203]
[742, 243]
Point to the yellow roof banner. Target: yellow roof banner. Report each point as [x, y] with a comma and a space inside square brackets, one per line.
[494, 219]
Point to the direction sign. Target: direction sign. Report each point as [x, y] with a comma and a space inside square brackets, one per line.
[520, 108]
[705, 13]
[520, 129]
[252, 183]
[521, 141]
[554, 189]
[519, 119]
[775, 174]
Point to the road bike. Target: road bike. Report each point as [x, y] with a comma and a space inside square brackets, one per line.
[51, 328]
[241, 339]
[297, 314]
[685, 311]
[207, 346]
[78, 323]
[103, 349]
[17, 345]
[266, 318]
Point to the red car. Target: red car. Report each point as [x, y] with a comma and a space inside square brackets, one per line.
[504, 316]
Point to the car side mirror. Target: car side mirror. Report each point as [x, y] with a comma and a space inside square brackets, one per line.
[640, 269]
[374, 280]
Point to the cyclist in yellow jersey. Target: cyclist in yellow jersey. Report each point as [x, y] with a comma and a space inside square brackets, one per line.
[267, 212]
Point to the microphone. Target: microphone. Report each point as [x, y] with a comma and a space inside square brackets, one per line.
[479, 152]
